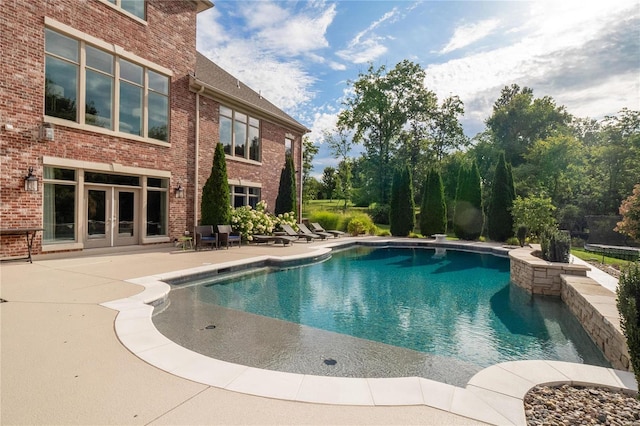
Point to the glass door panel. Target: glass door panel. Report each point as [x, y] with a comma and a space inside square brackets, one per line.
[126, 217]
[98, 211]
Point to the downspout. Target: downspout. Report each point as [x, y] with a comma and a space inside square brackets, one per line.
[196, 167]
[300, 176]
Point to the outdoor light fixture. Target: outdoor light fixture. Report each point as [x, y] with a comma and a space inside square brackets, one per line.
[47, 132]
[179, 191]
[31, 181]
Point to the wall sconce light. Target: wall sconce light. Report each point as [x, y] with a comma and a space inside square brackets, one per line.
[179, 190]
[47, 132]
[31, 181]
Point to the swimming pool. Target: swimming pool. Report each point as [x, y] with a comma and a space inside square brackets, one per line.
[386, 312]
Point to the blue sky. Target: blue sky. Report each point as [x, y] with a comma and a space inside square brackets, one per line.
[300, 55]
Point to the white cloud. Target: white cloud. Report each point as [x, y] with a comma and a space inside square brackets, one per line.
[366, 46]
[577, 53]
[467, 34]
[280, 30]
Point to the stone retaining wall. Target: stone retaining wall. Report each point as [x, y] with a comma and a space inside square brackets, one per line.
[595, 307]
[539, 276]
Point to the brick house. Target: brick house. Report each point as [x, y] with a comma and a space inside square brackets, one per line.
[127, 168]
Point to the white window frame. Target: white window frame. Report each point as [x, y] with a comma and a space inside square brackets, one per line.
[118, 52]
[247, 141]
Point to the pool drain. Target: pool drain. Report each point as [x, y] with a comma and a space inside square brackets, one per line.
[330, 361]
[209, 327]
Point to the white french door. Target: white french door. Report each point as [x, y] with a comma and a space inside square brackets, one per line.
[111, 216]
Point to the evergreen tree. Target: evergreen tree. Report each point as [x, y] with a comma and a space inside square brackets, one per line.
[402, 207]
[433, 210]
[468, 217]
[286, 200]
[215, 208]
[500, 220]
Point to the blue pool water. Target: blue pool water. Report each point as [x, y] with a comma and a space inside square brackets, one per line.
[457, 306]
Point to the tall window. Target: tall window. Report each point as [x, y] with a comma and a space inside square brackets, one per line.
[157, 193]
[143, 107]
[244, 196]
[288, 146]
[239, 134]
[134, 7]
[59, 205]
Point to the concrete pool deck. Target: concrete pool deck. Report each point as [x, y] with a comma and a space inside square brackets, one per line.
[62, 362]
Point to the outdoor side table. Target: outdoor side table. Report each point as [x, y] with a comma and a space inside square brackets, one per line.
[29, 233]
[186, 242]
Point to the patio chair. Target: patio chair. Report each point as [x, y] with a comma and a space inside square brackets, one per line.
[284, 239]
[290, 232]
[206, 236]
[228, 237]
[305, 230]
[316, 227]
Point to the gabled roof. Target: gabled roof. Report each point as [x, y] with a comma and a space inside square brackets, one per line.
[227, 89]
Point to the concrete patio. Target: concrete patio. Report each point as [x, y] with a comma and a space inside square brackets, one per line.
[62, 362]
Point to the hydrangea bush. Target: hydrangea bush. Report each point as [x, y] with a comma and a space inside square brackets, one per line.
[286, 218]
[248, 221]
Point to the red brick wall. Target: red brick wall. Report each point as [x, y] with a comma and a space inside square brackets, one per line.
[168, 40]
[267, 173]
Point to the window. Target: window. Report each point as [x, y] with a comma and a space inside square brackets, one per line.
[288, 146]
[134, 7]
[157, 206]
[244, 196]
[143, 107]
[239, 134]
[59, 205]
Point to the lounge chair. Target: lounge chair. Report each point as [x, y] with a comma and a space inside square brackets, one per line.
[304, 229]
[227, 236]
[290, 232]
[206, 236]
[284, 239]
[316, 227]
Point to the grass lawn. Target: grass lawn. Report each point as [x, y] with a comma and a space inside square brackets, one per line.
[587, 255]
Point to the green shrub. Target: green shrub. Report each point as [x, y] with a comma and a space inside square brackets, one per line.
[513, 241]
[499, 219]
[214, 205]
[628, 302]
[286, 199]
[379, 213]
[433, 210]
[383, 233]
[521, 234]
[555, 245]
[328, 220]
[467, 216]
[402, 218]
[363, 224]
[248, 221]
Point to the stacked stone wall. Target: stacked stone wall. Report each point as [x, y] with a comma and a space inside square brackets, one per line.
[595, 308]
[539, 276]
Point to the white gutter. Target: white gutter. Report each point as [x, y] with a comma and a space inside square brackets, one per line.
[196, 167]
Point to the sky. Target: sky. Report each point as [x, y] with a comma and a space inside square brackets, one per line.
[302, 55]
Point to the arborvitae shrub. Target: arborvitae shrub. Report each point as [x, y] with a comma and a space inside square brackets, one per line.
[499, 219]
[214, 206]
[286, 200]
[402, 207]
[628, 302]
[433, 209]
[468, 217]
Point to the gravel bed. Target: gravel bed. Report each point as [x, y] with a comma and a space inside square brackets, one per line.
[576, 405]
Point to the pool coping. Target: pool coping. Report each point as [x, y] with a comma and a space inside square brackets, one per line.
[494, 395]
